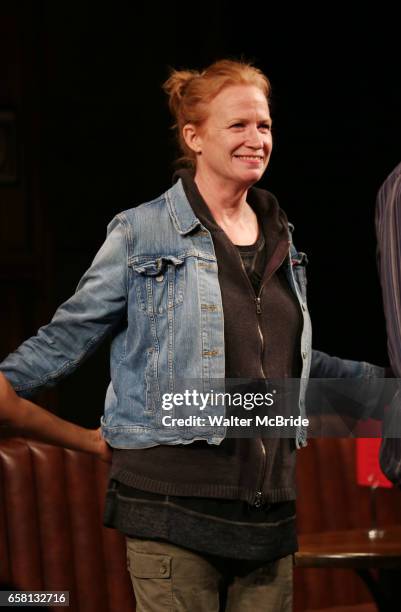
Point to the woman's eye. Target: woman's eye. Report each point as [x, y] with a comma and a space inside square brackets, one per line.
[237, 125]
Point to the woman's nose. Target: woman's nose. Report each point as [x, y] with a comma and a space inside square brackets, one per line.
[254, 138]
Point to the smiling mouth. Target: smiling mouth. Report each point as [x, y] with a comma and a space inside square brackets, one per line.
[250, 157]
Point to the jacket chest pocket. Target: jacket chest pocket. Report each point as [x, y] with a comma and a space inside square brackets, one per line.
[159, 283]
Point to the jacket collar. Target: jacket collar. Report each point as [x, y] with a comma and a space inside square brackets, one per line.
[188, 210]
[181, 213]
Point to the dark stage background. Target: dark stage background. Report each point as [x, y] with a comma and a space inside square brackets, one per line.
[84, 133]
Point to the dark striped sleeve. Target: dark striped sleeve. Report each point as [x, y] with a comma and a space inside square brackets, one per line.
[388, 231]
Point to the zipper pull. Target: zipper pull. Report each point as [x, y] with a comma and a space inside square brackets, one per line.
[258, 306]
[258, 499]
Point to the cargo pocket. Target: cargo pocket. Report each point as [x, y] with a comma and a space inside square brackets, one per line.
[151, 580]
[159, 283]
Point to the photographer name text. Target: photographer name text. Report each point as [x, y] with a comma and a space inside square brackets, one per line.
[234, 421]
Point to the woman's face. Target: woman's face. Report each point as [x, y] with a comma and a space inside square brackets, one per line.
[235, 141]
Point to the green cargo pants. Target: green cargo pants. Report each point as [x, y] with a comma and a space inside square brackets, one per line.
[168, 578]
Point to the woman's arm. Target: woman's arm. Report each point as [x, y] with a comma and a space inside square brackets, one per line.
[22, 417]
[327, 366]
[79, 325]
[358, 388]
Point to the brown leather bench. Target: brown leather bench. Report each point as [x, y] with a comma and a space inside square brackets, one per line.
[51, 533]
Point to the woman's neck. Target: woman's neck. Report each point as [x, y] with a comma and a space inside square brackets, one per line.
[227, 202]
[229, 208]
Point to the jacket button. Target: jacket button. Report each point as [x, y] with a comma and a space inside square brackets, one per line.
[163, 570]
[303, 355]
[160, 278]
[303, 307]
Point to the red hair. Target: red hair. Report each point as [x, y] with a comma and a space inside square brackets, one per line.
[189, 93]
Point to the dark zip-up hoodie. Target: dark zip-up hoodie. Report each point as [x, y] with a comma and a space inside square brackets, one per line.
[262, 339]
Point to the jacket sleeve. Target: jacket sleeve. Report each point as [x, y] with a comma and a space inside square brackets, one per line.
[327, 366]
[356, 388]
[79, 324]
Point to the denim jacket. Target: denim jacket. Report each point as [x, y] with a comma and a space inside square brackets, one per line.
[154, 285]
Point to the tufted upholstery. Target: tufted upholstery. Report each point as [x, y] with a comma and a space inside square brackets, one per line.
[51, 534]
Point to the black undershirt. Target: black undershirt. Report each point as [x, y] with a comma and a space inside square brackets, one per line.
[227, 528]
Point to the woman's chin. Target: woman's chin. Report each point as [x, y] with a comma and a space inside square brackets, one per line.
[250, 176]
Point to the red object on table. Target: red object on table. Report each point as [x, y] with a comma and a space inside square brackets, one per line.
[368, 472]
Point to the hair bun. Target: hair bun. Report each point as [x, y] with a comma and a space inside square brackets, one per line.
[176, 85]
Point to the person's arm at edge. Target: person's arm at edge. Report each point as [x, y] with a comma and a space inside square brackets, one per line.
[22, 417]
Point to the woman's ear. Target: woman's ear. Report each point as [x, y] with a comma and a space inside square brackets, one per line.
[192, 137]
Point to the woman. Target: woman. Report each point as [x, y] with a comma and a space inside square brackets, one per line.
[201, 283]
